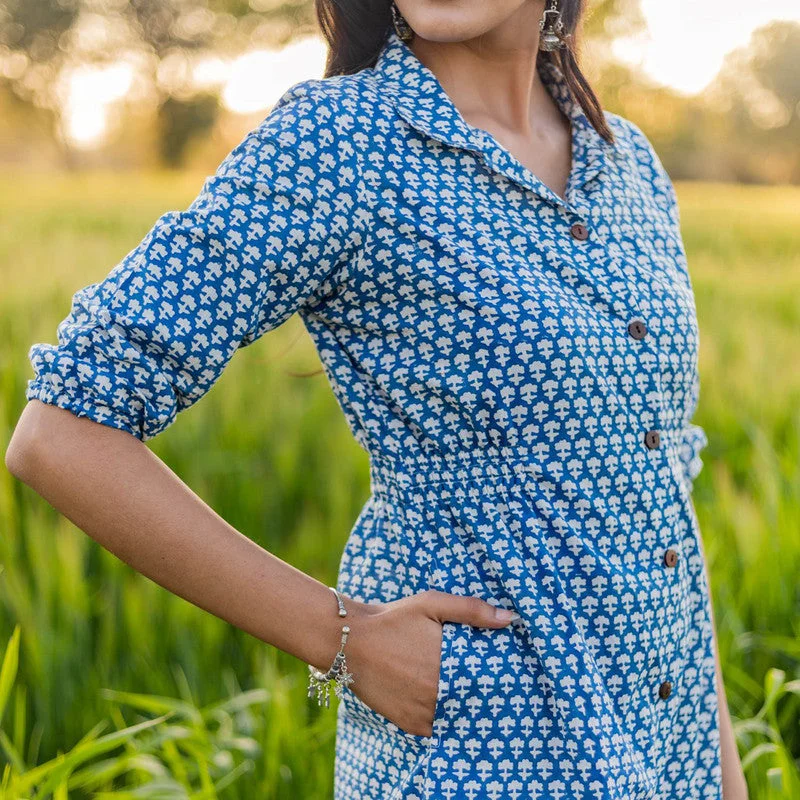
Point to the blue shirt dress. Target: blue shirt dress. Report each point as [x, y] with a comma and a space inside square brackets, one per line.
[521, 369]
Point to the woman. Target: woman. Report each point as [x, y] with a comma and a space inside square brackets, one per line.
[492, 272]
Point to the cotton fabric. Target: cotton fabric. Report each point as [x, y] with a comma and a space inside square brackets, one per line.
[482, 356]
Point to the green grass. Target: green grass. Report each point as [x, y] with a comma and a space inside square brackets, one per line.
[102, 648]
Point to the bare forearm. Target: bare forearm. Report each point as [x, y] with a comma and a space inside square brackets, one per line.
[121, 494]
[734, 786]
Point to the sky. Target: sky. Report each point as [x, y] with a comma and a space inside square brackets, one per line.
[686, 40]
[683, 47]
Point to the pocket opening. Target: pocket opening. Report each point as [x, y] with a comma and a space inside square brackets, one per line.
[358, 709]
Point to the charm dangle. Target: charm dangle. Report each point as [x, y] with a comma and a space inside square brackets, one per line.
[401, 27]
[551, 28]
[318, 680]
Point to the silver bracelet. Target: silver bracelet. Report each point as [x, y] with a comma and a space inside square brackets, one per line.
[318, 681]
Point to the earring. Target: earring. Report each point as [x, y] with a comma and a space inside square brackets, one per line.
[401, 27]
[551, 28]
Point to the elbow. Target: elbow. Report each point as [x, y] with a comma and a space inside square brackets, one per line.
[20, 456]
[23, 453]
[47, 436]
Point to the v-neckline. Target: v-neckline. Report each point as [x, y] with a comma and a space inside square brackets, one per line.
[422, 101]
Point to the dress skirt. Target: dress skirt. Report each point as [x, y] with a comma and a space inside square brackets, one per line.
[566, 702]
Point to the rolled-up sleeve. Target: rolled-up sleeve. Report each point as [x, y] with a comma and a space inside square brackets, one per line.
[693, 441]
[267, 234]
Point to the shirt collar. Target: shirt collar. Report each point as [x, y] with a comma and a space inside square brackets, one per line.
[422, 102]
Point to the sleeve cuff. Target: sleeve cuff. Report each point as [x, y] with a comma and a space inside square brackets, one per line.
[92, 408]
[693, 441]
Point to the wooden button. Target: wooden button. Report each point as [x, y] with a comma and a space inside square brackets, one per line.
[579, 231]
[670, 558]
[665, 690]
[637, 329]
[652, 439]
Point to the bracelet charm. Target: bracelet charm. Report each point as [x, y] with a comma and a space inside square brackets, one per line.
[319, 681]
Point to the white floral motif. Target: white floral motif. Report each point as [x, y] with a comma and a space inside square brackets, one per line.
[482, 355]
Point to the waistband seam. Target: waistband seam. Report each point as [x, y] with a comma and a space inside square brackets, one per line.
[427, 472]
[416, 474]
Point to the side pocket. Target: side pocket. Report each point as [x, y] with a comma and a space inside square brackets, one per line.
[356, 709]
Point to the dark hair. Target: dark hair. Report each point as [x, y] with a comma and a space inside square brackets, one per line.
[356, 30]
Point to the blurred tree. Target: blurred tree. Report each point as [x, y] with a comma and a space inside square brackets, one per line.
[45, 41]
[163, 38]
[775, 61]
[31, 34]
[605, 21]
[180, 121]
[611, 19]
[34, 26]
[758, 91]
[744, 127]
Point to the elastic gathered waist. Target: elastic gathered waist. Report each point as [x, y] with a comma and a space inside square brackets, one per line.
[439, 475]
[428, 476]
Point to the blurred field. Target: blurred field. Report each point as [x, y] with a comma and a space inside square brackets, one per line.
[270, 451]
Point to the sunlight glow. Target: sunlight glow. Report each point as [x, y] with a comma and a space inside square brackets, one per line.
[683, 47]
[686, 41]
[260, 77]
[250, 83]
[86, 94]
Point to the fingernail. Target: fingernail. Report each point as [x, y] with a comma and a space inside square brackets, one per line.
[505, 615]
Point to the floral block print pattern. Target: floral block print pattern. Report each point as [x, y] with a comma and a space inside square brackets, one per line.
[521, 369]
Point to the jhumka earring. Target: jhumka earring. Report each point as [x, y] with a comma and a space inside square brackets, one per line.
[551, 28]
[401, 27]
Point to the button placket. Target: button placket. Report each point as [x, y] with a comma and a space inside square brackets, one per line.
[618, 292]
[636, 327]
[662, 688]
[670, 560]
[589, 257]
[652, 438]
[640, 336]
[582, 262]
[675, 563]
